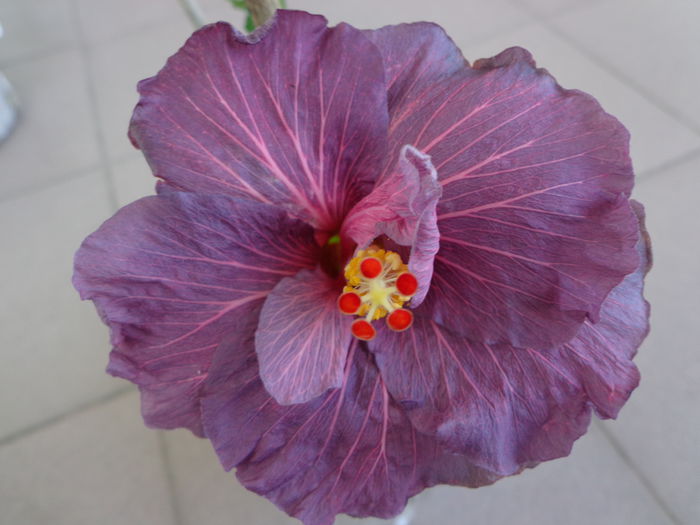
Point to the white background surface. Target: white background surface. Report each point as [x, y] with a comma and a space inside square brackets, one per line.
[73, 449]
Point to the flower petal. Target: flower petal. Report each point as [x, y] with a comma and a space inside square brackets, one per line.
[415, 56]
[402, 207]
[351, 451]
[302, 338]
[535, 224]
[292, 115]
[505, 407]
[500, 406]
[170, 274]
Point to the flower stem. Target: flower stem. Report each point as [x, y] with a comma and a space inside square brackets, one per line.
[261, 10]
[194, 12]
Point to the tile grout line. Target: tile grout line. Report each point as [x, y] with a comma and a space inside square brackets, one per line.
[639, 474]
[178, 516]
[51, 183]
[68, 46]
[654, 172]
[94, 111]
[23, 59]
[37, 427]
[550, 24]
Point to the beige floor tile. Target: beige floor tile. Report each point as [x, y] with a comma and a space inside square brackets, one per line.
[54, 347]
[657, 138]
[103, 20]
[100, 466]
[653, 43]
[132, 179]
[35, 27]
[592, 486]
[660, 429]
[553, 7]
[55, 136]
[118, 65]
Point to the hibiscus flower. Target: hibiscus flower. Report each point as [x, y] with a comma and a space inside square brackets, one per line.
[370, 267]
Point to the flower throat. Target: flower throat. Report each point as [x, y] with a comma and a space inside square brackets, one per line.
[378, 286]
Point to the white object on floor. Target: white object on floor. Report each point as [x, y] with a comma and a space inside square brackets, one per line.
[406, 517]
[8, 107]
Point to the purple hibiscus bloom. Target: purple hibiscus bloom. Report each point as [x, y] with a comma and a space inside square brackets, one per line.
[370, 267]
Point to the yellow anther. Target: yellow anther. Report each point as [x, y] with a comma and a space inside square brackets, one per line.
[379, 294]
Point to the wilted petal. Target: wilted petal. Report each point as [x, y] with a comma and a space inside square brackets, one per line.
[506, 407]
[292, 115]
[535, 224]
[402, 207]
[351, 451]
[170, 275]
[302, 339]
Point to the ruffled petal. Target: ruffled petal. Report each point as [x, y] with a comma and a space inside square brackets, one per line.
[506, 407]
[536, 228]
[170, 274]
[293, 115]
[302, 338]
[402, 207]
[500, 406]
[351, 451]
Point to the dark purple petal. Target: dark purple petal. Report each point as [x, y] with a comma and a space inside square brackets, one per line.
[293, 115]
[402, 207]
[602, 352]
[416, 56]
[535, 224]
[500, 406]
[170, 274]
[302, 338]
[351, 451]
[506, 407]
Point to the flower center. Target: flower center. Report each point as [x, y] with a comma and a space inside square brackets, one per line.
[378, 285]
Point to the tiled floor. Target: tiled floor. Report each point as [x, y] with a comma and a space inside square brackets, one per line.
[73, 449]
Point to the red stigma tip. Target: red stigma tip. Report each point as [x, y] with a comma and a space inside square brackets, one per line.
[399, 320]
[363, 330]
[371, 267]
[407, 284]
[349, 303]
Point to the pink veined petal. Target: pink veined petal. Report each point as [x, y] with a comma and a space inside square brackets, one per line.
[535, 223]
[402, 207]
[506, 407]
[171, 274]
[416, 56]
[350, 451]
[293, 115]
[302, 339]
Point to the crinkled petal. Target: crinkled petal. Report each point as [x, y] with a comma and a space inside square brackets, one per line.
[293, 115]
[602, 352]
[302, 338]
[351, 451]
[506, 407]
[535, 224]
[170, 273]
[402, 207]
[499, 405]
